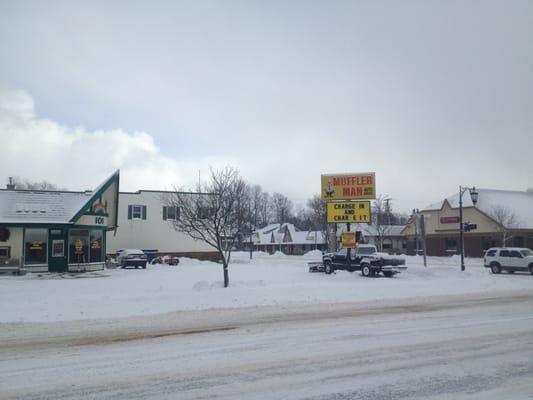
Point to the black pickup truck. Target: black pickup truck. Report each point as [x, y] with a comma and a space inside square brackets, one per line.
[364, 258]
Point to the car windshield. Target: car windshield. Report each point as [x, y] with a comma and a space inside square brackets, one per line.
[526, 252]
[366, 250]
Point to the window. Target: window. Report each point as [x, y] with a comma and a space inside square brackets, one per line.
[85, 246]
[5, 252]
[387, 244]
[518, 241]
[136, 211]
[205, 212]
[58, 248]
[78, 246]
[35, 246]
[491, 253]
[451, 244]
[526, 252]
[504, 253]
[171, 213]
[96, 250]
[514, 253]
[366, 250]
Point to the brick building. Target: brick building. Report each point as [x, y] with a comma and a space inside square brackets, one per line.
[497, 213]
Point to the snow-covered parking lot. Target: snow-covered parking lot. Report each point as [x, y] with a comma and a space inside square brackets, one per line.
[265, 280]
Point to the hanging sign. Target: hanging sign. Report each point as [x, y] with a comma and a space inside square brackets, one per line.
[349, 211]
[357, 186]
[348, 240]
[36, 246]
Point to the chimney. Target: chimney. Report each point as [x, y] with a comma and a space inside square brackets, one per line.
[11, 184]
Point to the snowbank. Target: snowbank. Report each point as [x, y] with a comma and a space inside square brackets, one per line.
[265, 280]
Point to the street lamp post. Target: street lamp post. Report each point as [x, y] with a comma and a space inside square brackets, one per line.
[473, 196]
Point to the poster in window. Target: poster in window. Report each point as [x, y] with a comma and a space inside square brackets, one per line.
[58, 248]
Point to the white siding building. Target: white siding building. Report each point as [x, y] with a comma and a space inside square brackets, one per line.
[144, 222]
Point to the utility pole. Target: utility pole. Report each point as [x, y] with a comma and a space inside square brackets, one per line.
[416, 231]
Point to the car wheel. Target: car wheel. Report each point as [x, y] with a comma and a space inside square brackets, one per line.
[511, 271]
[531, 269]
[366, 270]
[495, 268]
[144, 266]
[388, 274]
[328, 268]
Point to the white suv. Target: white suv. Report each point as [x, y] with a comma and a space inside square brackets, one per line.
[510, 259]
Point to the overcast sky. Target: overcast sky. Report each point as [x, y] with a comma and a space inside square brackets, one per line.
[427, 94]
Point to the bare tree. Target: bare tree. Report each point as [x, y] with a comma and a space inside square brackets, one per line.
[381, 211]
[506, 220]
[265, 212]
[212, 214]
[318, 213]
[282, 207]
[32, 185]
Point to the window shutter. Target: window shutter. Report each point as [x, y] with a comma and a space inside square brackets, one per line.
[144, 212]
[165, 213]
[129, 211]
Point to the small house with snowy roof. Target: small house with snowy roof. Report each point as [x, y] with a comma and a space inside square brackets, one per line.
[57, 231]
[287, 239]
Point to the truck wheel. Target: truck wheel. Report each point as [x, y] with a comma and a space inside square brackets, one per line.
[388, 274]
[366, 270]
[495, 268]
[328, 268]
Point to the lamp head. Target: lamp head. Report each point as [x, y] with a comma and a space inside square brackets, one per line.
[474, 195]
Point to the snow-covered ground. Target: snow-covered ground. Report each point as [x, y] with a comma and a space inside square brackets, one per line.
[265, 280]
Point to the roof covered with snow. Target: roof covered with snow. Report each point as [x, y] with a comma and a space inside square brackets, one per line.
[275, 234]
[47, 206]
[372, 230]
[33, 206]
[518, 203]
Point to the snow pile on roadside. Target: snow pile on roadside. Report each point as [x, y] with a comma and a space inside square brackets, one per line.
[264, 280]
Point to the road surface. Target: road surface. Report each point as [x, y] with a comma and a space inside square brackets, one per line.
[460, 347]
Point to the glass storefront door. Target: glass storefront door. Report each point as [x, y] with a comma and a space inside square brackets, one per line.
[57, 256]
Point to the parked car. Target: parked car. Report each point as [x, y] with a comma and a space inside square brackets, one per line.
[364, 258]
[509, 259]
[170, 260]
[131, 258]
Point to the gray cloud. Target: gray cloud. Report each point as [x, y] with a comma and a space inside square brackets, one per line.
[428, 94]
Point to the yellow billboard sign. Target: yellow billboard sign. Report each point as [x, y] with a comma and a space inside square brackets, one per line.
[349, 211]
[349, 186]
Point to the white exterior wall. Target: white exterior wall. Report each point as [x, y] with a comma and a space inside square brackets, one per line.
[153, 233]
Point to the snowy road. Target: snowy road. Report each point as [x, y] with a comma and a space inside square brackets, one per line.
[460, 347]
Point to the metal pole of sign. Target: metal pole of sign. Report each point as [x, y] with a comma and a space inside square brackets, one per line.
[348, 250]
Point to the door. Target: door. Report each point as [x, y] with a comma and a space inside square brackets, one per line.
[517, 261]
[339, 258]
[57, 255]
